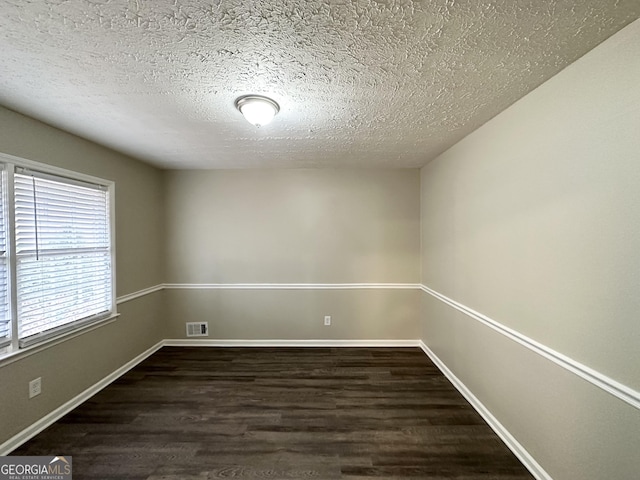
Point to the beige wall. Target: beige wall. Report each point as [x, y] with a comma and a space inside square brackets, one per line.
[71, 367]
[297, 314]
[294, 226]
[534, 221]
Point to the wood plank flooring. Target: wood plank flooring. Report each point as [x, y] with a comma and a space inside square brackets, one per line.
[279, 413]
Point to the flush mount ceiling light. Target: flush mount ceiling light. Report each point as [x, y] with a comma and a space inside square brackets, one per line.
[258, 110]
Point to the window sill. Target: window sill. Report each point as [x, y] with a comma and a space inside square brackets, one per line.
[16, 355]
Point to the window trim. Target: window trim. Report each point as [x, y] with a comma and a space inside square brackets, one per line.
[79, 327]
[16, 355]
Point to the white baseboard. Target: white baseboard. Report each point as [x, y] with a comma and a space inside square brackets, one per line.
[188, 342]
[518, 450]
[37, 427]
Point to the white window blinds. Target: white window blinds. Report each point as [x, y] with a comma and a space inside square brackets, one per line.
[63, 254]
[5, 311]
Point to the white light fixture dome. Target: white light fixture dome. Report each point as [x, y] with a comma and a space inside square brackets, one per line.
[258, 110]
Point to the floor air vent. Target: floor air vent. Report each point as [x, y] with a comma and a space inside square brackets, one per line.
[197, 329]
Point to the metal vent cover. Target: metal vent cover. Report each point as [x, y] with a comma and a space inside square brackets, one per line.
[197, 329]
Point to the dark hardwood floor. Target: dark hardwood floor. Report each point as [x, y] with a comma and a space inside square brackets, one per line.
[279, 413]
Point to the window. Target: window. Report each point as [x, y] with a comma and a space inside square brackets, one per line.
[56, 253]
[5, 314]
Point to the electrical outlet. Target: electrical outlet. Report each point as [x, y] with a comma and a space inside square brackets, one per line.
[35, 387]
[327, 320]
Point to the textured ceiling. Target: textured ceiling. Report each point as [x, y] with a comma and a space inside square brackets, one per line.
[380, 83]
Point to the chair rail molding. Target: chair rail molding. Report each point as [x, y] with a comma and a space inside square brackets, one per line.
[615, 388]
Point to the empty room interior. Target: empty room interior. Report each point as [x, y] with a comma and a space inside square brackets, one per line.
[423, 262]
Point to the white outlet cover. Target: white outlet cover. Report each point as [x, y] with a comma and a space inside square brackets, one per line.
[327, 320]
[35, 387]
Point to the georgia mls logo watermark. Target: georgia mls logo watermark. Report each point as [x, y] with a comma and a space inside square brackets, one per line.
[35, 468]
